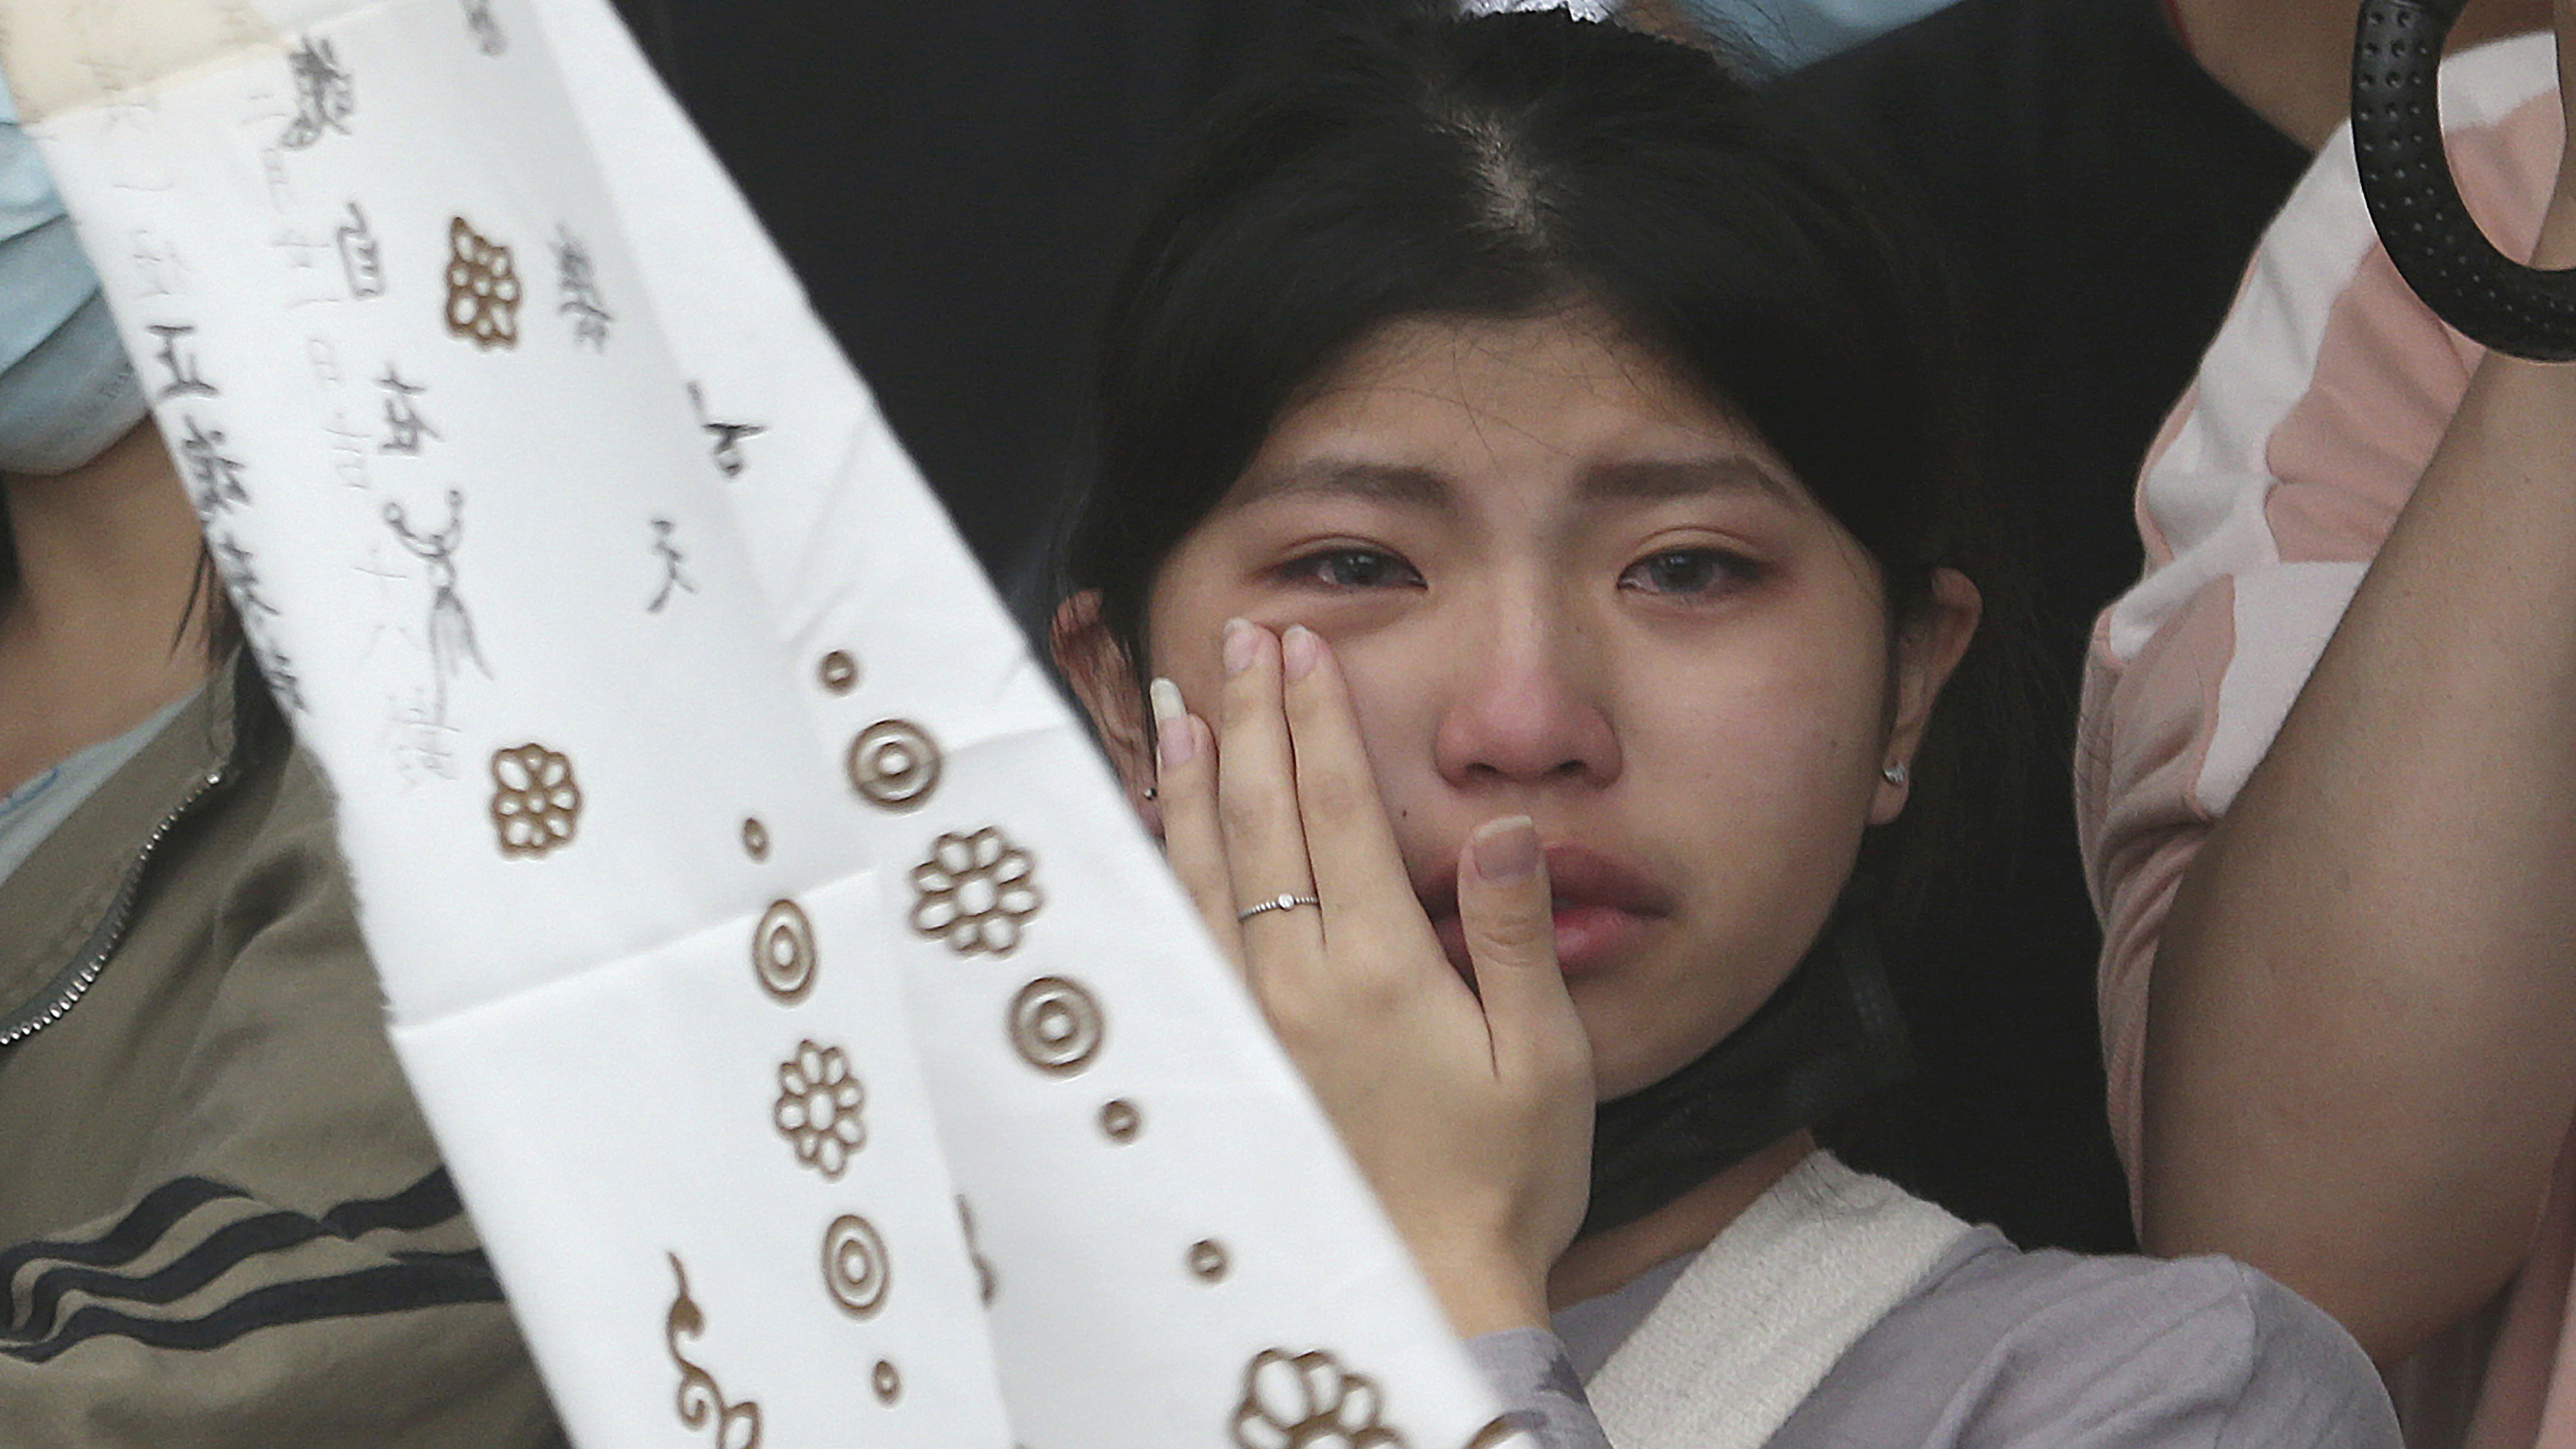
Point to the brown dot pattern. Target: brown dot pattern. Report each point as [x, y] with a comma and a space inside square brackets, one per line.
[1208, 1260]
[782, 951]
[887, 1383]
[755, 838]
[838, 671]
[894, 764]
[1120, 1121]
[1056, 1025]
[854, 1266]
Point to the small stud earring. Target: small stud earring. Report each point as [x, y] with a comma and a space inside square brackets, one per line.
[1893, 774]
[1151, 792]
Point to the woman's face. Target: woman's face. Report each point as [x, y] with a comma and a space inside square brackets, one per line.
[1563, 583]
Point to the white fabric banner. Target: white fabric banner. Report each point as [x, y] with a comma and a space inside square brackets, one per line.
[825, 1054]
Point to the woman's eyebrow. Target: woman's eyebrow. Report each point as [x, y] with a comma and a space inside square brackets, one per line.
[1352, 478]
[1659, 480]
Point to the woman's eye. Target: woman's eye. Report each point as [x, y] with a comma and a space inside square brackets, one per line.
[1355, 568]
[1686, 571]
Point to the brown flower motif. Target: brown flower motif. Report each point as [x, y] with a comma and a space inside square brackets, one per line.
[976, 892]
[818, 1107]
[482, 288]
[1308, 1401]
[535, 800]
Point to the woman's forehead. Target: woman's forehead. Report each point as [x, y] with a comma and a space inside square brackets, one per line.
[1426, 406]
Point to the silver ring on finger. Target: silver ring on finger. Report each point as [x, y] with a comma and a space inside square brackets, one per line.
[1284, 901]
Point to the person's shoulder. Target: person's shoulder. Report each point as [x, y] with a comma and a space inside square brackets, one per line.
[2000, 1347]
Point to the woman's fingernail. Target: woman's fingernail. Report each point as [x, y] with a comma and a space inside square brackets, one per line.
[1239, 646]
[1176, 743]
[1166, 697]
[1299, 648]
[1505, 849]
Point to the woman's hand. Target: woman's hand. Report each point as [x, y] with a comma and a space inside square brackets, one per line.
[1470, 1112]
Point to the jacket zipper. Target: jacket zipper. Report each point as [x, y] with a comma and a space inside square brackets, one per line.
[118, 918]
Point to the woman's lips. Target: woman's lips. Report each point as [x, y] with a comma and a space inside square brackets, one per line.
[1603, 910]
[1588, 937]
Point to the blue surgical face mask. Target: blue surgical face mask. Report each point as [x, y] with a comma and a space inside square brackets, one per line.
[67, 389]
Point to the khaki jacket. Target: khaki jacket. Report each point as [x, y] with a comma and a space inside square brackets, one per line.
[222, 1220]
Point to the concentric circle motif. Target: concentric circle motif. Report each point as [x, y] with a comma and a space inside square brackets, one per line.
[838, 671]
[854, 1266]
[1207, 1259]
[894, 764]
[782, 951]
[1056, 1026]
[755, 838]
[888, 1383]
[1121, 1121]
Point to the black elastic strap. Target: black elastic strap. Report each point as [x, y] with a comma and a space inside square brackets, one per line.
[2406, 179]
[1827, 1039]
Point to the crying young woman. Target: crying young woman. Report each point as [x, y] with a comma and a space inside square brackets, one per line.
[1530, 581]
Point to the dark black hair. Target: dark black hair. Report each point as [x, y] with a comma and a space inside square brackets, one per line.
[1508, 166]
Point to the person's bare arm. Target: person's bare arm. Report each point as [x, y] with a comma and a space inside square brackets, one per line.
[2290, 61]
[2361, 1041]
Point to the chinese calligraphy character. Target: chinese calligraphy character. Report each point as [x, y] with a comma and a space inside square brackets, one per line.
[728, 436]
[324, 94]
[241, 575]
[134, 163]
[404, 426]
[281, 189]
[214, 479]
[157, 266]
[451, 631]
[185, 379]
[359, 256]
[487, 30]
[241, 580]
[421, 745]
[277, 669]
[304, 255]
[349, 448]
[671, 561]
[578, 281]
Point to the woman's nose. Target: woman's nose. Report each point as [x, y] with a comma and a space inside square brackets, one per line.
[1525, 706]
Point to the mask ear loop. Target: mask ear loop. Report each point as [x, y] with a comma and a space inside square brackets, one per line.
[2415, 203]
[1827, 1040]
